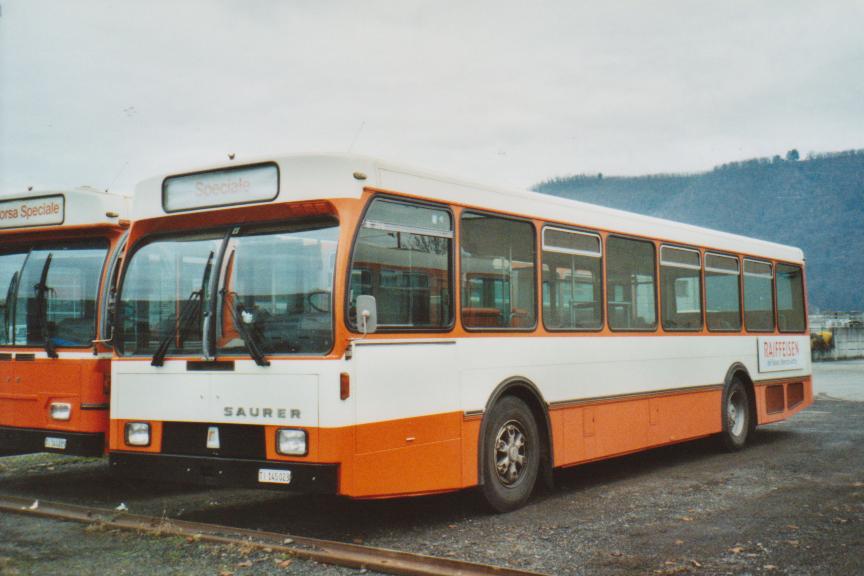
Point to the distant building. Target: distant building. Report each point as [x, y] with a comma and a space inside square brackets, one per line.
[829, 320]
[837, 335]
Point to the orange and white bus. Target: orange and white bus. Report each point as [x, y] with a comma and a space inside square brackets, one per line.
[57, 250]
[343, 325]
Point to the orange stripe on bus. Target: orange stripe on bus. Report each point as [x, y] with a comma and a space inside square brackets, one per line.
[438, 453]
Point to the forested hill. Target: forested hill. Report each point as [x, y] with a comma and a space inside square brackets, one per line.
[815, 203]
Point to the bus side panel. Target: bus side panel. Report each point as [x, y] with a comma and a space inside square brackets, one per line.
[619, 394]
[601, 430]
[470, 450]
[678, 417]
[27, 389]
[408, 434]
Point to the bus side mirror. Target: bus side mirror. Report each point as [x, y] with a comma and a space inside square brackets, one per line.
[367, 314]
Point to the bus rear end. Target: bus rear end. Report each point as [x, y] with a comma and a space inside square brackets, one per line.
[56, 258]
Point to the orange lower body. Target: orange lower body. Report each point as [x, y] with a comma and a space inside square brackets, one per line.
[28, 387]
[439, 453]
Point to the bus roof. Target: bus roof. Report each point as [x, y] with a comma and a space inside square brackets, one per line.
[299, 178]
[57, 209]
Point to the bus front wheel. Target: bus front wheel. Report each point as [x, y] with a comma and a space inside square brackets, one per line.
[511, 458]
[737, 416]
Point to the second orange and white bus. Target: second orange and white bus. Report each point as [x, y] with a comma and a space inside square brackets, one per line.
[57, 253]
[343, 325]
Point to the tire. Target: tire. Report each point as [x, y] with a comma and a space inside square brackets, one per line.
[737, 416]
[511, 455]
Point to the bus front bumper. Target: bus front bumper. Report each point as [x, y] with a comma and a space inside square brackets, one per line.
[227, 472]
[31, 440]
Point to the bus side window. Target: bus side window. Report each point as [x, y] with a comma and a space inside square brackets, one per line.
[790, 299]
[498, 285]
[722, 293]
[681, 288]
[403, 257]
[631, 281]
[758, 296]
[572, 280]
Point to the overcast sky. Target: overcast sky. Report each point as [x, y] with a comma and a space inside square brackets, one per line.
[112, 92]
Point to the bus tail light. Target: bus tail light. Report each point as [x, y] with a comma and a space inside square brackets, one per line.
[291, 442]
[61, 411]
[344, 386]
[137, 434]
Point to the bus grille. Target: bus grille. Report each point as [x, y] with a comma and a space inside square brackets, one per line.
[236, 440]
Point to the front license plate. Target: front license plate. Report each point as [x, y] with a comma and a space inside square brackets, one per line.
[55, 443]
[269, 476]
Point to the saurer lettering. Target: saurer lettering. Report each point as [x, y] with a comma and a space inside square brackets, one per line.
[257, 412]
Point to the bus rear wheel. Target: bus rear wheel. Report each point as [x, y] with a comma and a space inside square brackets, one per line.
[737, 416]
[511, 458]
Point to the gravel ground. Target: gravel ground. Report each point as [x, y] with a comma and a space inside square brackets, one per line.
[791, 503]
[35, 546]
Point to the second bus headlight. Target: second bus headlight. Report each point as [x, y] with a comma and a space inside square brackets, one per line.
[291, 442]
[137, 434]
[61, 410]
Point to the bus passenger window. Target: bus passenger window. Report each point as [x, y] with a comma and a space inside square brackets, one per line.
[722, 293]
[630, 280]
[572, 280]
[790, 299]
[680, 288]
[403, 258]
[498, 286]
[758, 296]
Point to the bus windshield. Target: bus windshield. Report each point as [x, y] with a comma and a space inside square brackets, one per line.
[48, 293]
[166, 278]
[274, 292]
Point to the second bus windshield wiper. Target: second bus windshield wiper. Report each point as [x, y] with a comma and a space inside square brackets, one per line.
[7, 307]
[42, 307]
[191, 308]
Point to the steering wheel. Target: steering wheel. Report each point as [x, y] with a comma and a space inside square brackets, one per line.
[310, 299]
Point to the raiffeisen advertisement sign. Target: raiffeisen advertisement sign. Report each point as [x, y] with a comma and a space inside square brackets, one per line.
[778, 353]
[30, 212]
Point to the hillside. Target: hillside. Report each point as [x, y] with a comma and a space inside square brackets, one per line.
[816, 204]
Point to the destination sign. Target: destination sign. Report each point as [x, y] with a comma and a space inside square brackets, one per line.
[228, 187]
[29, 212]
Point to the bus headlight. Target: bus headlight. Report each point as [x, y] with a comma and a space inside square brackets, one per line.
[61, 411]
[291, 442]
[137, 434]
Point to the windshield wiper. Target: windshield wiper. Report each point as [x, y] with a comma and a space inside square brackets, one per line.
[7, 307]
[191, 308]
[42, 308]
[249, 340]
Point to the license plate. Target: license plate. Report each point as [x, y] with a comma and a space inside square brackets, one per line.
[55, 443]
[270, 476]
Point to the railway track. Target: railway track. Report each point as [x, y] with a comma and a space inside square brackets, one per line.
[323, 551]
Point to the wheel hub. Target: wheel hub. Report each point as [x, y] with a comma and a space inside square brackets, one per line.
[735, 411]
[511, 454]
